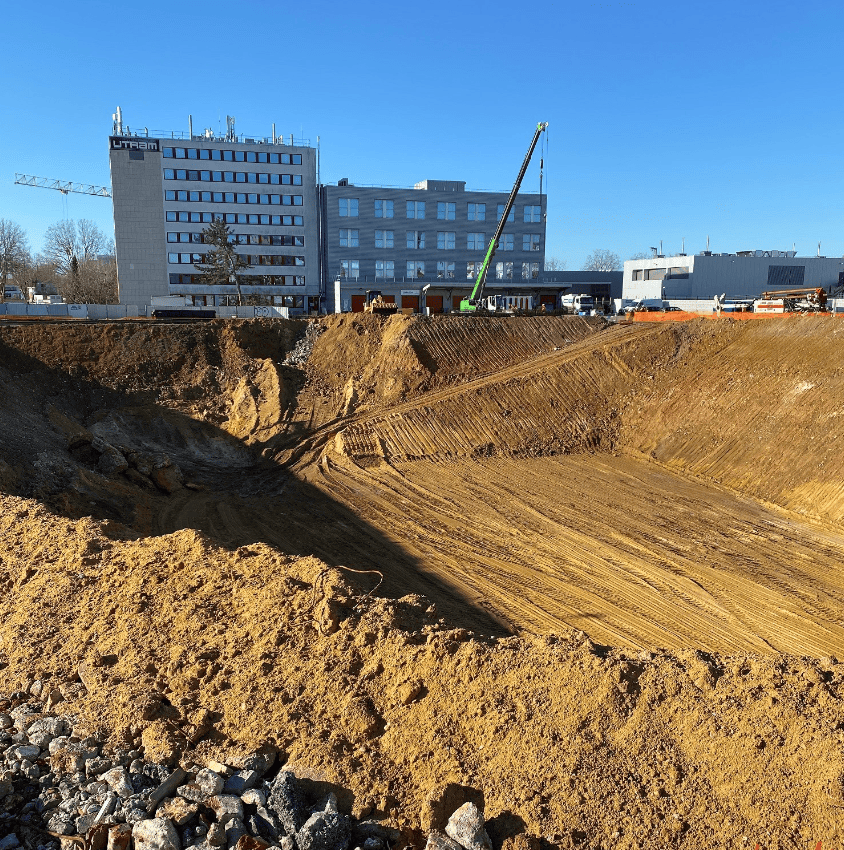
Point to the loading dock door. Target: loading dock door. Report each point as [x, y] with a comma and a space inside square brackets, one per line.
[435, 303]
[410, 301]
[548, 300]
[455, 301]
[357, 303]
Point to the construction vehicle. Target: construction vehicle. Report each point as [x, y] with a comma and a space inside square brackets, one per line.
[579, 305]
[806, 300]
[376, 304]
[475, 301]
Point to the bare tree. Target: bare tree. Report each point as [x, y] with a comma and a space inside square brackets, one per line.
[91, 281]
[641, 255]
[14, 251]
[68, 239]
[222, 262]
[555, 264]
[602, 260]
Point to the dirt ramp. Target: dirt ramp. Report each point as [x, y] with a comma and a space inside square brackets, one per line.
[553, 403]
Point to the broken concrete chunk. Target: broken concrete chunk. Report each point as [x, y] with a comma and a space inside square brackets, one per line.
[155, 834]
[466, 827]
[438, 841]
[226, 807]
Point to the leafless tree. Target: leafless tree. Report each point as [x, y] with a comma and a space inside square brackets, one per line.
[641, 255]
[602, 260]
[555, 264]
[14, 251]
[92, 281]
[67, 239]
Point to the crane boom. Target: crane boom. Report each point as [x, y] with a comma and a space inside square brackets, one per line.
[470, 304]
[63, 186]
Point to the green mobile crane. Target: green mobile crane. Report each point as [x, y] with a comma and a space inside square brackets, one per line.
[475, 301]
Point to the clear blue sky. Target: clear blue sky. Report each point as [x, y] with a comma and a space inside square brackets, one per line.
[666, 119]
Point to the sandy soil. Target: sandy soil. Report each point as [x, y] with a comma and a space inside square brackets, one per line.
[651, 509]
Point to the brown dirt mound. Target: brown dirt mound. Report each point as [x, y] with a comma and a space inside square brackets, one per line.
[170, 639]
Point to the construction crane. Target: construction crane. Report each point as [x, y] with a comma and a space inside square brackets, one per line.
[63, 186]
[474, 301]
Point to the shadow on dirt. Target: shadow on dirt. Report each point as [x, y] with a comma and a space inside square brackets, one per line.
[224, 488]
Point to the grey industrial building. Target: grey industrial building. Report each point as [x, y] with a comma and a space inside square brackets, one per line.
[432, 235]
[745, 274]
[166, 190]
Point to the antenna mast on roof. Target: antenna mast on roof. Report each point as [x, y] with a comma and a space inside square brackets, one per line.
[118, 122]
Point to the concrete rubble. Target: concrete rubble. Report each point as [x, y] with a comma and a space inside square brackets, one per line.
[62, 788]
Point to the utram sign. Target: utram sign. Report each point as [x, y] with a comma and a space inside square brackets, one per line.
[119, 143]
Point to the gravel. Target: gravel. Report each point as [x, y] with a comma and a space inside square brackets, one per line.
[52, 780]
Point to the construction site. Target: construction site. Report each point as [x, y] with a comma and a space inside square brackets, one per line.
[588, 574]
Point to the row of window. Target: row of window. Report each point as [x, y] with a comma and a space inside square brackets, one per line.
[659, 274]
[233, 177]
[243, 239]
[252, 259]
[446, 210]
[445, 270]
[233, 198]
[233, 156]
[246, 280]
[446, 240]
[235, 218]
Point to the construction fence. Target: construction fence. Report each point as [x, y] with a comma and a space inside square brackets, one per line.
[97, 312]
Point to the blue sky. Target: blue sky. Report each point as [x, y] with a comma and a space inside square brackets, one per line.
[666, 119]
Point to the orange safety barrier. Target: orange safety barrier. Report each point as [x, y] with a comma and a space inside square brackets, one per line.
[682, 316]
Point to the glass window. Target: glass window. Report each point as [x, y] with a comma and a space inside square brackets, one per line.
[239, 156]
[208, 217]
[385, 268]
[445, 270]
[196, 217]
[180, 153]
[285, 159]
[240, 197]
[348, 207]
[470, 270]
[251, 177]
[445, 240]
[446, 210]
[415, 239]
[192, 153]
[263, 178]
[229, 196]
[170, 215]
[351, 269]
[181, 174]
[193, 196]
[530, 242]
[287, 179]
[170, 195]
[252, 218]
[530, 271]
[298, 219]
[206, 197]
[217, 176]
[296, 159]
[383, 238]
[477, 212]
[274, 158]
[251, 156]
[168, 153]
[239, 177]
[228, 156]
[383, 208]
[298, 200]
[475, 241]
[348, 238]
[242, 218]
[506, 242]
[172, 258]
[205, 175]
[500, 212]
[415, 269]
[297, 181]
[533, 213]
[172, 237]
[216, 154]
[416, 209]
[169, 174]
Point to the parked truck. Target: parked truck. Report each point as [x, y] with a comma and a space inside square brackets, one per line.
[580, 305]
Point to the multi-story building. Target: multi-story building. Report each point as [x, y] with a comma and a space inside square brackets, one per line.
[168, 190]
[745, 274]
[435, 234]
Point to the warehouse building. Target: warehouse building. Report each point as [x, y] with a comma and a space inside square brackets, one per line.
[168, 188]
[745, 274]
[433, 236]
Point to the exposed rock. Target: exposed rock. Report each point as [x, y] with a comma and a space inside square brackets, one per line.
[285, 801]
[226, 807]
[439, 841]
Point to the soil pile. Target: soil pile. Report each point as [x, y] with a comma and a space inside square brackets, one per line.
[172, 639]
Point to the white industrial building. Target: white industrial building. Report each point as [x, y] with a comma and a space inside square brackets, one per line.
[745, 274]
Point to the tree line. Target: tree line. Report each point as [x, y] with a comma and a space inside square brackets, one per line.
[77, 259]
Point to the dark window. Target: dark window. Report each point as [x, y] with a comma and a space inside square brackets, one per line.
[136, 155]
[193, 175]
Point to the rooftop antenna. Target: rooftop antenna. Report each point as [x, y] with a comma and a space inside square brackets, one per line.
[274, 134]
[190, 126]
[652, 248]
[317, 161]
[683, 251]
[819, 249]
[707, 243]
[660, 247]
[118, 122]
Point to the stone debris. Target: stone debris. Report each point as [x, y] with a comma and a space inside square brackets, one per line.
[302, 350]
[57, 778]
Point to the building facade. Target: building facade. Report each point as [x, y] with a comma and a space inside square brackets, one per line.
[166, 191]
[433, 235]
[745, 274]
